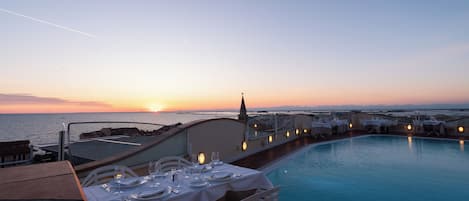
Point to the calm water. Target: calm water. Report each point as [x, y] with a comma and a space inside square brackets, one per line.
[43, 128]
[384, 168]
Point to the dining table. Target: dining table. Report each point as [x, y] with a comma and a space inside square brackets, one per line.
[239, 179]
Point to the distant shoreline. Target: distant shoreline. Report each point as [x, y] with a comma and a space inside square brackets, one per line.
[261, 110]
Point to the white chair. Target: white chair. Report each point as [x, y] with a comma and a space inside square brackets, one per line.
[165, 164]
[264, 195]
[105, 174]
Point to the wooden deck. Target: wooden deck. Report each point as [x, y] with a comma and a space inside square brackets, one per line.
[45, 181]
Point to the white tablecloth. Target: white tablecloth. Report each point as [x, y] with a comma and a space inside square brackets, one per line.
[249, 179]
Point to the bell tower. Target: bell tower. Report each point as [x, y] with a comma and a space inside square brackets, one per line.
[243, 116]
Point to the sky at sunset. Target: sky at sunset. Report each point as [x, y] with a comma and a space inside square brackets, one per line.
[107, 56]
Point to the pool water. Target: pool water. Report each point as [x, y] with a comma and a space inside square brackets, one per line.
[384, 168]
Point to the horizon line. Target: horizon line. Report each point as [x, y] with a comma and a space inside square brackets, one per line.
[407, 107]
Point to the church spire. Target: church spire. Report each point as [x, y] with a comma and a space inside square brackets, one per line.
[243, 116]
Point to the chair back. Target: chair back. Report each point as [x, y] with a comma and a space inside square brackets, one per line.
[165, 164]
[264, 195]
[105, 174]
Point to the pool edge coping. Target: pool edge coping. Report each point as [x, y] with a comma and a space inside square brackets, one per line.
[269, 167]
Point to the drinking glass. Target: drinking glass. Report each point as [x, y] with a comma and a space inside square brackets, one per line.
[175, 180]
[194, 160]
[118, 180]
[151, 169]
[215, 157]
[196, 174]
[187, 172]
[153, 172]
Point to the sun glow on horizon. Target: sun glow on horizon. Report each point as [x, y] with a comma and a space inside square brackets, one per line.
[155, 108]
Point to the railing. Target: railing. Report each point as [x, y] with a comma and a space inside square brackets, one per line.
[266, 125]
[67, 137]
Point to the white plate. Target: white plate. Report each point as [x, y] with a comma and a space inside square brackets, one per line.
[198, 184]
[217, 163]
[159, 194]
[220, 176]
[127, 183]
[203, 168]
[158, 176]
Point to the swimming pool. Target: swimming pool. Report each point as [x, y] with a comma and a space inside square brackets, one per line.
[375, 167]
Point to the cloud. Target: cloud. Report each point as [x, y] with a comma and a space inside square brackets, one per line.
[22, 99]
[48, 23]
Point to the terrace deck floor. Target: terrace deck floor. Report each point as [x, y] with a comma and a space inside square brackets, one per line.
[45, 181]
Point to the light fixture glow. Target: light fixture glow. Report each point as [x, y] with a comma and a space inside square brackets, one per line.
[409, 127]
[350, 125]
[271, 138]
[460, 129]
[244, 146]
[297, 131]
[255, 125]
[201, 158]
[305, 130]
[287, 134]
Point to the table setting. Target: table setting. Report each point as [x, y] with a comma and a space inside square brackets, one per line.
[197, 182]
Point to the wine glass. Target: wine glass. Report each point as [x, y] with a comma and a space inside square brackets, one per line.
[118, 180]
[153, 172]
[194, 160]
[186, 172]
[175, 178]
[196, 174]
[215, 157]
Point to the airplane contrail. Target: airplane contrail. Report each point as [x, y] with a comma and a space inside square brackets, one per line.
[48, 23]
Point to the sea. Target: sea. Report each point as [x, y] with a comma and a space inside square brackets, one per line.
[42, 129]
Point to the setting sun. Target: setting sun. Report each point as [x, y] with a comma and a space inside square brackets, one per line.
[155, 108]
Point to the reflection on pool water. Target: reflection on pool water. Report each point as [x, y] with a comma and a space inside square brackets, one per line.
[384, 168]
